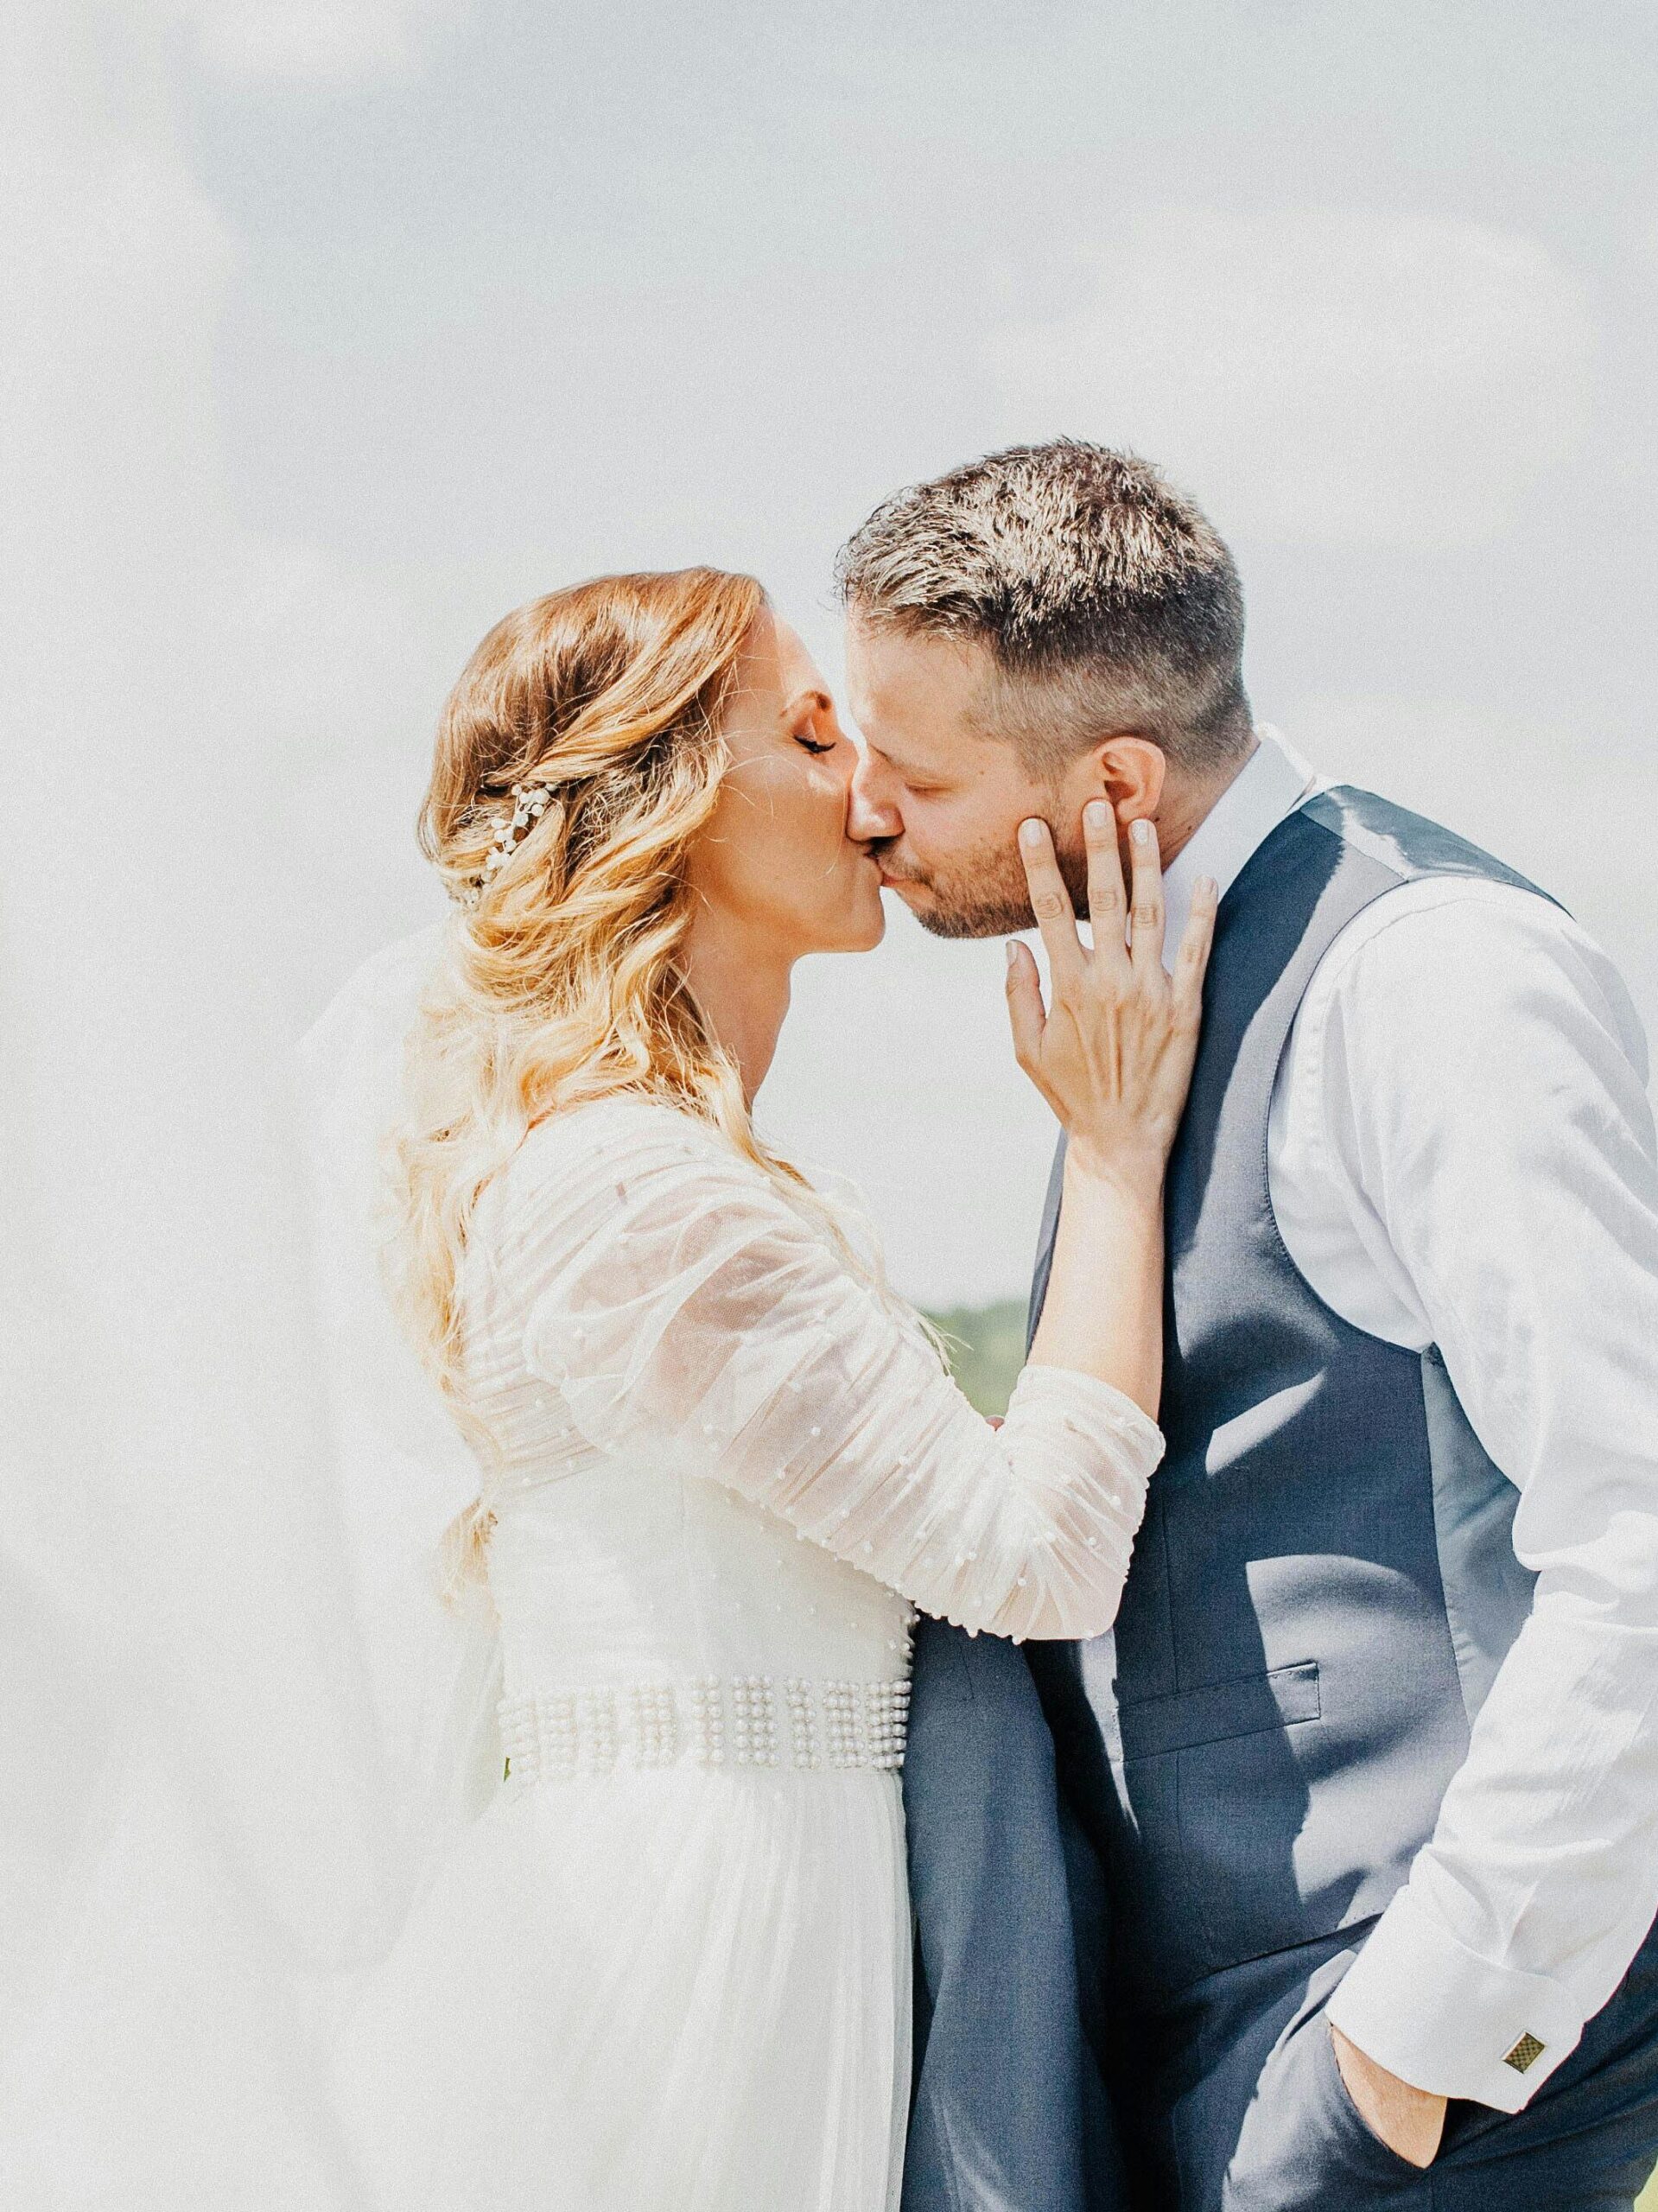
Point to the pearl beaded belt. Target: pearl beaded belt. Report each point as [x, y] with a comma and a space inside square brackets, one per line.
[711, 1720]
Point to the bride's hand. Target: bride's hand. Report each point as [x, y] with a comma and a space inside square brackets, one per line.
[1113, 1054]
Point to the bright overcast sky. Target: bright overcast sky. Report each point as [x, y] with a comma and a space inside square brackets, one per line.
[344, 328]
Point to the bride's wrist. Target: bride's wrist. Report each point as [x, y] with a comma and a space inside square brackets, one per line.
[1133, 1180]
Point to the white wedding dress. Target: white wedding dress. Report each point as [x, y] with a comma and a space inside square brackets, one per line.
[667, 1970]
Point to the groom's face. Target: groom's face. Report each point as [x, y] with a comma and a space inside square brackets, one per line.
[939, 796]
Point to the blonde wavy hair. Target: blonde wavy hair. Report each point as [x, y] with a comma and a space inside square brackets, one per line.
[563, 980]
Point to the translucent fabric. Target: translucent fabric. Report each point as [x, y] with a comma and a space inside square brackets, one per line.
[667, 1969]
[679, 1990]
[683, 1306]
[293, 1937]
[245, 1731]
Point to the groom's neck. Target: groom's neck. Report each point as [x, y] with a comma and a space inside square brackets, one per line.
[1188, 802]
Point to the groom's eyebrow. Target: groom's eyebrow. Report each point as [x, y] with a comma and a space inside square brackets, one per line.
[907, 769]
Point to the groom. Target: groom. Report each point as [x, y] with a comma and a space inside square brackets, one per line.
[1329, 1878]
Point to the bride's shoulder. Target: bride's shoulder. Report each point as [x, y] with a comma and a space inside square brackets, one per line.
[627, 1167]
[624, 1133]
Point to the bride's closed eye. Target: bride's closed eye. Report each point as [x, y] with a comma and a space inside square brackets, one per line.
[809, 713]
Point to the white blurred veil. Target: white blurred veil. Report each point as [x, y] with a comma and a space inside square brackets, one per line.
[243, 1719]
[408, 1483]
[237, 1725]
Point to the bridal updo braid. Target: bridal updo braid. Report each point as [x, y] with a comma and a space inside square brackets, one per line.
[578, 758]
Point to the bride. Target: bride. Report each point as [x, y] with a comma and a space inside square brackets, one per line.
[720, 1464]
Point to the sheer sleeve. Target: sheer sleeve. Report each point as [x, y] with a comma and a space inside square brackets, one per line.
[682, 1304]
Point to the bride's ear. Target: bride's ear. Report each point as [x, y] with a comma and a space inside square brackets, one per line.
[1131, 773]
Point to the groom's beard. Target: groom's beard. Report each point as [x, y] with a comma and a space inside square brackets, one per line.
[983, 894]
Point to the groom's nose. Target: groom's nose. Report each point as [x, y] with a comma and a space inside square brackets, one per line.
[870, 813]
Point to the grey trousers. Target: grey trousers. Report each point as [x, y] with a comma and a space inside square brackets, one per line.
[1009, 2112]
[1041, 2087]
[1249, 2112]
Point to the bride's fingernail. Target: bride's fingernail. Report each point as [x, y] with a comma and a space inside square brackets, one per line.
[1096, 814]
[1013, 950]
[1030, 833]
[1140, 831]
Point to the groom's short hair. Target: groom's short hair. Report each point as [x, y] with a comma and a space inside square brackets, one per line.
[1108, 602]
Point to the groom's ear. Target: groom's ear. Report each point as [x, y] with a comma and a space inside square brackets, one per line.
[1131, 772]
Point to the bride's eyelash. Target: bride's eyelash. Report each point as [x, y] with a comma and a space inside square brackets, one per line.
[811, 747]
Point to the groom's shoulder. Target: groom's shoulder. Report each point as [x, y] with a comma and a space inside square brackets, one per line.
[1405, 844]
[1472, 962]
[1443, 899]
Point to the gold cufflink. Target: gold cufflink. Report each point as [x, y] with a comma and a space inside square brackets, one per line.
[1525, 2052]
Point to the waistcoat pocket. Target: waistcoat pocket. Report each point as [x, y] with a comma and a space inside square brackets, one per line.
[1213, 1784]
[1217, 1711]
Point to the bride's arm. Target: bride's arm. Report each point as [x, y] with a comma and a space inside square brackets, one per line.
[698, 1315]
[707, 1326]
[1111, 1054]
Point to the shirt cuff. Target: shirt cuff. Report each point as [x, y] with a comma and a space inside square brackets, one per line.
[1445, 2019]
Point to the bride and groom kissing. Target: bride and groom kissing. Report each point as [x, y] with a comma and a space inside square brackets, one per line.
[1234, 1781]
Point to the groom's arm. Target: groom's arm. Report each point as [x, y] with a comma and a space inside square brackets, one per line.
[1480, 1103]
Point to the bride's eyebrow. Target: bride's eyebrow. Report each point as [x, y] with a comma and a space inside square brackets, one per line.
[819, 698]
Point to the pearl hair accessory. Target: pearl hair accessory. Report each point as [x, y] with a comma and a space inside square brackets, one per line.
[530, 802]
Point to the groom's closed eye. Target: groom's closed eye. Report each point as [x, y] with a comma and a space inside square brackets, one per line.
[918, 785]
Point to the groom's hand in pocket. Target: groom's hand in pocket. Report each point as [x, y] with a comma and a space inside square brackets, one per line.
[1410, 2122]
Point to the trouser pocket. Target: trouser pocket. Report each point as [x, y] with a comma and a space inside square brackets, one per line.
[1304, 2145]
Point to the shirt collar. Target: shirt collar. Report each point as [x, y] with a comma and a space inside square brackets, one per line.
[1272, 783]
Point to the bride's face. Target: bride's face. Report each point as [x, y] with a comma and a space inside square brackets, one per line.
[776, 859]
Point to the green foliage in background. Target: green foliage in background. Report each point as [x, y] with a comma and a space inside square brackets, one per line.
[986, 1349]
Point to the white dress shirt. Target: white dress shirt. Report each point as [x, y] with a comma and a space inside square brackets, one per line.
[1462, 1153]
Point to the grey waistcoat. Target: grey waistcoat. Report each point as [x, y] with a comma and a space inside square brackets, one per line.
[1324, 1584]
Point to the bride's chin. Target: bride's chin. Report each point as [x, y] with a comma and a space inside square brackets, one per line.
[856, 922]
[871, 935]
[866, 927]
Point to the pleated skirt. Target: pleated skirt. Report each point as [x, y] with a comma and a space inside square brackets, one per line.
[674, 1990]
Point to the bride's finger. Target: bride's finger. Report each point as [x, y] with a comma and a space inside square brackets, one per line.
[1050, 901]
[1105, 892]
[1145, 896]
[1191, 961]
[1025, 1013]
